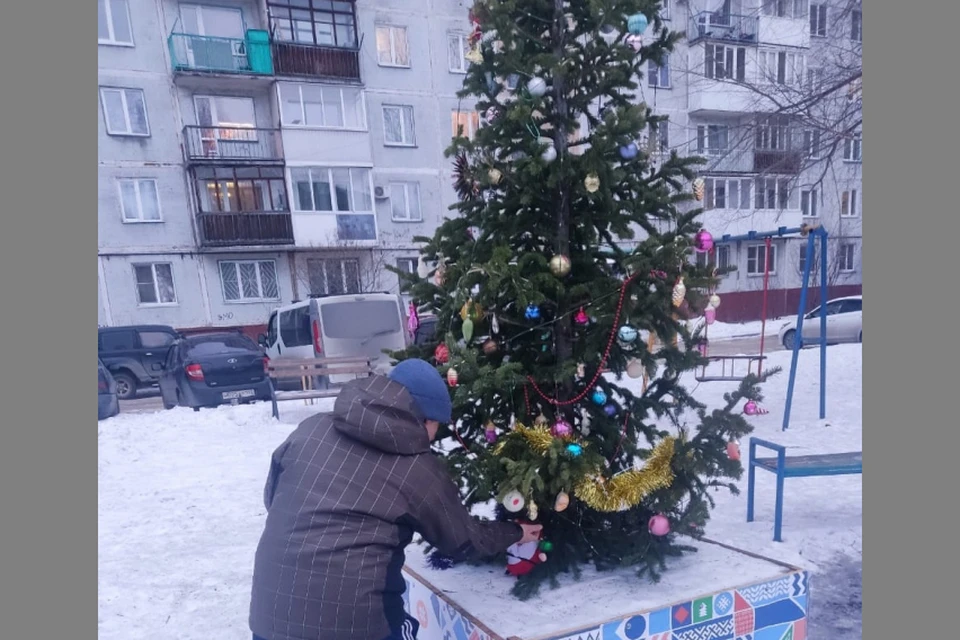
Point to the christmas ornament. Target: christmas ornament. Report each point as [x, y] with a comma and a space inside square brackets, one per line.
[537, 87]
[562, 502]
[635, 368]
[513, 81]
[574, 449]
[610, 409]
[634, 41]
[714, 301]
[679, 292]
[549, 154]
[532, 312]
[439, 275]
[474, 55]
[560, 265]
[637, 24]
[540, 421]
[513, 502]
[561, 429]
[467, 329]
[752, 408]
[581, 370]
[659, 525]
[710, 315]
[490, 434]
[581, 317]
[629, 151]
[532, 510]
[494, 175]
[698, 189]
[599, 396]
[703, 241]
[627, 334]
[413, 320]
[522, 558]
[423, 269]
[494, 325]
[608, 34]
[441, 354]
[471, 310]
[490, 346]
[452, 377]
[733, 450]
[491, 114]
[629, 488]
[546, 546]
[592, 183]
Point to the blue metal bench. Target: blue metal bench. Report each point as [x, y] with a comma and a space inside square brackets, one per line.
[831, 464]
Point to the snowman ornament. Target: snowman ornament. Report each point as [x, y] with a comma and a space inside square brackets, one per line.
[522, 558]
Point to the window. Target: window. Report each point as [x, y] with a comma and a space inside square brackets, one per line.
[225, 111]
[312, 105]
[458, 44]
[113, 23]
[405, 201]
[124, 111]
[802, 262]
[118, 340]
[725, 63]
[845, 257]
[818, 20]
[856, 26]
[295, 327]
[853, 148]
[848, 203]
[331, 189]
[314, 22]
[757, 259]
[814, 79]
[774, 194]
[712, 139]
[659, 75]
[811, 143]
[392, 47]
[723, 256]
[154, 283]
[333, 276]
[780, 67]
[139, 201]
[659, 139]
[785, 8]
[727, 193]
[240, 189]
[398, 128]
[155, 339]
[465, 123]
[810, 203]
[773, 134]
[407, 265]
[665, 9]
[249, 280]
[852, 305]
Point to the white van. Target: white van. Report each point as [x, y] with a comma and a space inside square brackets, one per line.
[361, 324]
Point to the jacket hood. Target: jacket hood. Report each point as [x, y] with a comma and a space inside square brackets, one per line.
[382, 415]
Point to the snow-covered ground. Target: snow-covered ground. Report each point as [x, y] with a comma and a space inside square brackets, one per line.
[728, 331]
[180, 508]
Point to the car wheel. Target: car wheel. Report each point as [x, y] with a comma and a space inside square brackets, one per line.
[126, 386]
[789, 338]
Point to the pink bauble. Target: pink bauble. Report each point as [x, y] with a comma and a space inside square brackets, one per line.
[733, 450]
[710, 315]
[659, 525]
[751, 408]
[703, 241]
[561, 429]
[490, 435]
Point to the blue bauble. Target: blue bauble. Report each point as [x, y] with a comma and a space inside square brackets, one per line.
[627, 333]
[637, 24]
[599, 397]
[533, 312]
[610, 409]
[574, 449]
[629, 151]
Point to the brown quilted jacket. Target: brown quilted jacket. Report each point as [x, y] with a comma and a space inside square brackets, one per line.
[344, 495]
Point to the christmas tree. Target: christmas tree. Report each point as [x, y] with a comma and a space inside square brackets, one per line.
[571, 244]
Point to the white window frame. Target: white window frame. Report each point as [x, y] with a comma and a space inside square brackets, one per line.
[852, 199]
[784, 8]
[236, 266]
[139, 219]
[737, 55]
[323, 262]
[793, 66]
[407, 140]
[703, 139]
[853, 147]
[412, 263]
[856, 25]
[392, 29]
[411, 193]
[802, 258]
[125, 92]
[723, 257]
[284, 111]
[319, 170]
[780, 184]
[656, 74]
[818, 20]
[111, 40]
[463, 44]
[847, 263]
[811, 143]
[666, 9]
[472, 123]
[711, 185]
[156, 285]
[758, 262]
[812, 197]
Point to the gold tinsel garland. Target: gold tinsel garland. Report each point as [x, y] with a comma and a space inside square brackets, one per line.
[624, 490]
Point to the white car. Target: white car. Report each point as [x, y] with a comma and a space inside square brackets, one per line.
[844, 324]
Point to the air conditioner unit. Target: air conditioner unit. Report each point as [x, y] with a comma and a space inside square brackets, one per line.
[380, 193]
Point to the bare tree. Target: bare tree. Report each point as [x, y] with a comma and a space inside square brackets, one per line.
[343, 266]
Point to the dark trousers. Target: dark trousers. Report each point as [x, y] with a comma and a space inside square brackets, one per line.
[406, 632]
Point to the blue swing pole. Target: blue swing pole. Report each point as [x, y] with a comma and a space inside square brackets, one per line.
[798, 339]
[823, 320]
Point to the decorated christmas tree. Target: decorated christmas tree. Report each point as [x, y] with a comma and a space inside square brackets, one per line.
[561, 287]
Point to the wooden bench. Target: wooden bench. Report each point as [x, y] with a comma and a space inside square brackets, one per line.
[314, 375]
[830, 464]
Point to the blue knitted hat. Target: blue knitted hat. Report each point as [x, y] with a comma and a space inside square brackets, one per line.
[427, 388]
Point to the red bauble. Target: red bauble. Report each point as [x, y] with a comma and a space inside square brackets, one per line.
[733, 450]
[522, 558]
[441, 354]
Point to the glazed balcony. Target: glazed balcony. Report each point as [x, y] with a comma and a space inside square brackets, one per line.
[301, 60]
[723, 27]
[233, 144]
[250, 55]
[245, 229]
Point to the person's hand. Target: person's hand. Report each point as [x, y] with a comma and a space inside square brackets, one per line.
[531, 532]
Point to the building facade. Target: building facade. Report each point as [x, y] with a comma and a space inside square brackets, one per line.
[253, 152]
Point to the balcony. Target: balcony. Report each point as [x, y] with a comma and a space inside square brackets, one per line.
[300, 60]
[777, 161]
[244, 229]
[233, 144]
[723, 27]
[249, 56]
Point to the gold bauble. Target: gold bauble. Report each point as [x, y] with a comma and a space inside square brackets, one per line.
[592, 183]
[560, 265]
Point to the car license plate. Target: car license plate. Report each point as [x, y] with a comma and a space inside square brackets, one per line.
[236, 395]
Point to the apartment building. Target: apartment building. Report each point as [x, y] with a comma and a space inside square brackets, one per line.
[253, 152]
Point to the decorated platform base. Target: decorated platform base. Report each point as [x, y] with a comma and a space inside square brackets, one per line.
[718, 593]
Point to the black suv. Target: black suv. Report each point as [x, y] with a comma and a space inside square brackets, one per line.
[135, 355]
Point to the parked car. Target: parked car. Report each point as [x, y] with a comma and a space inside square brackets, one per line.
[109, 404]
[844, 324]
[363, 324]
[134, 355]
[426, 330]
[208, 370]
